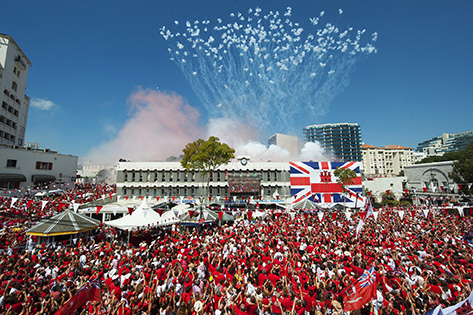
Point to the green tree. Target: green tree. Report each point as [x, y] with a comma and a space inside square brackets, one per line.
[449, 156]
[345, 177]
[389, 200]
[206, 156]
[462, 172]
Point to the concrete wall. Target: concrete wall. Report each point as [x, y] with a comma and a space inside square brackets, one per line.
[63, 166]
[430, 175]
[379, 185]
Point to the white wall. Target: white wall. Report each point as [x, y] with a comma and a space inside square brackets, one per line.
[26, 164]
[379, 185]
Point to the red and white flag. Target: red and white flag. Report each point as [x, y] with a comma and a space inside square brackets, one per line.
[362, 291]
[88, 292]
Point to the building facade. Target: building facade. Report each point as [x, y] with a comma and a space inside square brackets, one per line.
[434, 178]
[22, 167]
[171, 179]
[458, 141]
[14, 66]
[387, 160]
[290, 143]
[342, 140]
[447, 142]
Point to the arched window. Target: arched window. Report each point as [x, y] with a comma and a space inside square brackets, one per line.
[6, 92]
[14, 86]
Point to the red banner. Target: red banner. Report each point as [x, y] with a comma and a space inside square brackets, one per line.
[89, 292]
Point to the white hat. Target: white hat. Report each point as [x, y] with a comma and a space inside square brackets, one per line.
[198, 306]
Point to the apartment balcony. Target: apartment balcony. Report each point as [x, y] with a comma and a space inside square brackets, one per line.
[20, 63]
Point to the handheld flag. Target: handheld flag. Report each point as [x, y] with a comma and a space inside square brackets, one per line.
[362, 291]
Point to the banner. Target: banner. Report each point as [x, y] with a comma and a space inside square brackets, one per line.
[316, 180]
[88, 292]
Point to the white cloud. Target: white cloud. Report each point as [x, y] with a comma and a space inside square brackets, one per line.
[42, 104]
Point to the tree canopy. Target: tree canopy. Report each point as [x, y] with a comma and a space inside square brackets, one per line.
[345, 177]
[449, 156]
[206, 155]
[463, 166]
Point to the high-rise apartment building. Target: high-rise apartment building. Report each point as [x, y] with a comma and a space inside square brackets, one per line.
[14, 66]
[342, 140]
[447, 142]
[290, 143]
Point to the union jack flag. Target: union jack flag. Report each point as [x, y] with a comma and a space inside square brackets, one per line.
[368, 278]
[315, 181]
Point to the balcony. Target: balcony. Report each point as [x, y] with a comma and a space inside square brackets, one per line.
[20, 63]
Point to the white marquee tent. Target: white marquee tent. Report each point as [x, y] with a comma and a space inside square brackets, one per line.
[143, 217]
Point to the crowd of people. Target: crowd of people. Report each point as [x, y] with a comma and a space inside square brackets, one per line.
[277, 265]
[16, 217]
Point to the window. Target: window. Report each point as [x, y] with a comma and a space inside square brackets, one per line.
[11, 163]
[44, 165]
[14, 86]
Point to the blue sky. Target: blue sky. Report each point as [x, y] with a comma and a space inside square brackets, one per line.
[89, 57]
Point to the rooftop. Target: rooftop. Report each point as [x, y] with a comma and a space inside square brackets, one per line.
[386, 147]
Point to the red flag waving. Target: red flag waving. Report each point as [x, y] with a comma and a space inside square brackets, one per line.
[362, 291]
[88, 292]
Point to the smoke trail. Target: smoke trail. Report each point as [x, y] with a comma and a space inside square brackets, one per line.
[266, 68]
[160, 125]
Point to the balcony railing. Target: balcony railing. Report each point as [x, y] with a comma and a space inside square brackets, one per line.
[20, 63]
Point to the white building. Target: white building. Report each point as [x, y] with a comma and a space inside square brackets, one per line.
[14, 66]
[240, 180]
[21, 167]
[290, 143]
[433, 177]
[96, 173]
[387, 160]
[447, 142]
[171, 179]
[380, 185]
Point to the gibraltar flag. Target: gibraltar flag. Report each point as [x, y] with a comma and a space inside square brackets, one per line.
[360, 292]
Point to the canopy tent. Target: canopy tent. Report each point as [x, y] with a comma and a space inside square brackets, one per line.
[259, 214]
[143, 216]
[208, 216]
[305, 204]
[337, 207]
[65, 223]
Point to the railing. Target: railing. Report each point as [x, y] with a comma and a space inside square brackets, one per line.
[20, 61]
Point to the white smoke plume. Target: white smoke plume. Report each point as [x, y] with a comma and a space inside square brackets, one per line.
[160, 125]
